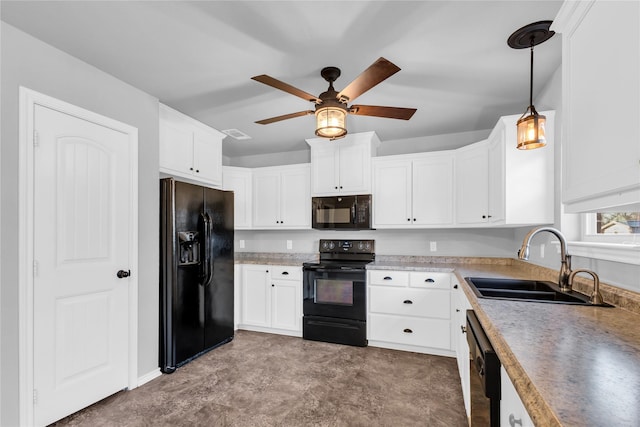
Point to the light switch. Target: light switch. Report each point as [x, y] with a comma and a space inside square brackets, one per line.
[241, 244]
[289, 244]
[433, 246]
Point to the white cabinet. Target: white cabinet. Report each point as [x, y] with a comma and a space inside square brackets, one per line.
[189, 149]
[512, 410]
[409, 311]
[281, 197]
[413, 191]
[601, 104]
[497, 184]
[472, 184]
[271, 299]
[342, 166]
[459, 338]
[239, 180]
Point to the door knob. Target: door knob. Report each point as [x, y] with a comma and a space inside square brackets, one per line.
[122, 274]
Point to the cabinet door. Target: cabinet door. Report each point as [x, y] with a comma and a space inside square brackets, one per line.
[462, 346]
[392, 194]
[176, 149]
[256, 302]
[295, 210]
[324, 160]
[266, 199]
[355, 168]
[601, 102]
[207, 158]
[238, 180]
[511, 406]
[285, 305]
[472, 184]
[433, 190]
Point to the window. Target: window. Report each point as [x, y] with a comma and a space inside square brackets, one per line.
[612, 227]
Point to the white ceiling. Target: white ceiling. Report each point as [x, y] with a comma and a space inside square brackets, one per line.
[198, 57]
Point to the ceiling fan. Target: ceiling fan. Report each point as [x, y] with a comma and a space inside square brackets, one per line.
[331, 107]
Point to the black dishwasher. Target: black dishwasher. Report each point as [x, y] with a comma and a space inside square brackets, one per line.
[485, 376]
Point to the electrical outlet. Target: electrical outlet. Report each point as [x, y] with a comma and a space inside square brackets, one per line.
[542, 250]
[241, 244]
[289, 244]
[433, 246]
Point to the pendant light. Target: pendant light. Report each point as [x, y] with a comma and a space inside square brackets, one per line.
[531, 126]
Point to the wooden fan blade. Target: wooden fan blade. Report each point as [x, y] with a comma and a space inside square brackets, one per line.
[388, 112]
[285, 117]
[270, 81]
[376, 73]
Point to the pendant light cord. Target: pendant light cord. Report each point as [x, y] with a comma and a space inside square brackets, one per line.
[531, 76]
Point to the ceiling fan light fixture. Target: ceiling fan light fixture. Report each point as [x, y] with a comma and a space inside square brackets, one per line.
[531, 126]
[331, 122]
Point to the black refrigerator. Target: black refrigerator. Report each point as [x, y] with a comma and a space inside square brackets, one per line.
[196, 271]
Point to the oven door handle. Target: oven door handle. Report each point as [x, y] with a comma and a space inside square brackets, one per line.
[333, 270]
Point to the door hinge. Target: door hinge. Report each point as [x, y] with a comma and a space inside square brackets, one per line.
[36, 138]
[35, 268]
[35, 396]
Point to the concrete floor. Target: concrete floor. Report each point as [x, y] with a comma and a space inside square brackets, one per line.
[272, 380]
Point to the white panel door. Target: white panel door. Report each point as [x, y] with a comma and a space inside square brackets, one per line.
[82, 237]
[295, 198]
[472, 186]
[355, 168]
[266, 199]
[392, 194]
[176, 148]
[285, 304]
[207, 157]
[256, 304]
[325, 179]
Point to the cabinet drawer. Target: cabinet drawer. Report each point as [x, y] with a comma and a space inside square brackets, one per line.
[430, 280]
[282, 272]
[433, 333]
[388, 277]
[433, 303]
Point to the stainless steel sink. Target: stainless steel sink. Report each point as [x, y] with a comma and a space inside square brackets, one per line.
[526, 290]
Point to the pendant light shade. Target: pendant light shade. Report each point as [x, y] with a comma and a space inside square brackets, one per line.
[531, 132]
[531, 126]
[331, 122]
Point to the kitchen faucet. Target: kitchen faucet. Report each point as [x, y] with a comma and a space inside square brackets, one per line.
[565, 258]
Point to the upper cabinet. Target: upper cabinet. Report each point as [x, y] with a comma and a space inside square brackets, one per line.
[281, 197]
[189, 149]
[497, 184]
[413, 191]
[342, 166]
[239, 180]
[601, 104]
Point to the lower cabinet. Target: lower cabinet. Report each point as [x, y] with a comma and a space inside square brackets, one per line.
[410, 310]
[271, 299]
[512, 410]
[459, 338]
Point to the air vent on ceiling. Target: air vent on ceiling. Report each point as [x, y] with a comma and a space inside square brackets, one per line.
[236, 134]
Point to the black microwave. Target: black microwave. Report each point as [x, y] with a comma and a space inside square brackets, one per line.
[341, 212]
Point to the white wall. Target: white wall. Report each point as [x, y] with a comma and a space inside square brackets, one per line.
[26, 61]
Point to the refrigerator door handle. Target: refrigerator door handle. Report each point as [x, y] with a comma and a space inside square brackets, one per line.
[204, 249]
[209, 263]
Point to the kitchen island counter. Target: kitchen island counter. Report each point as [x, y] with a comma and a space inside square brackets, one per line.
[571, 365]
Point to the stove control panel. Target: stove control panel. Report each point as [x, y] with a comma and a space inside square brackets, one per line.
[347, 246]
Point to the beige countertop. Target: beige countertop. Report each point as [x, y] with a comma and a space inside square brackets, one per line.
[572, 365]
[268, 258]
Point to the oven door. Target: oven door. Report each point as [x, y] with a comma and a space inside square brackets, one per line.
[335, 292]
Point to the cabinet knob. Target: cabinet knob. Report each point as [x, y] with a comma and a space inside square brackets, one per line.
[455, 286]
[513, 421]
[336, 187]
[190, 169]
[408, 219]
[197, 170]
[484, 216]
[341, 187]
[407, 301]
[266, 271]
[457, 310]
[408, 331]
[273, 286]
[488, 216]
[414, 220]
[463, 329]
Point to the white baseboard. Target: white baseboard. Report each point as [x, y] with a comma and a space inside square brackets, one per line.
[149, 376]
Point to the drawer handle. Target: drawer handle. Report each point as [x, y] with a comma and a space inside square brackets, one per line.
[513, 421]
[429, 280]
[408, 331]
[407, 301]
[285, 273]
[387, 278]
